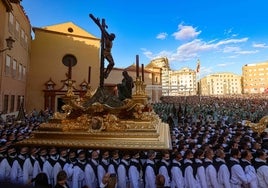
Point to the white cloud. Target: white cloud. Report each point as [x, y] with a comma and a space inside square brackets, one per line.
[162, 36]
[148, 53]
[205, 71]
[247, 52]
[185, 33]
[232, 41]
[228, 31]
[192, 50]
[224, 64]
[232, 56]
[230, 49]
[259, 45]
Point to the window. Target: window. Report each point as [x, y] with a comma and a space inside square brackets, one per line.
[5, 106]
[11, 18]
[7, 68]
[14, 70]
[20, 71]
[17, 30]
[22, 38]
[12, 103]
[26, 41]
[23, 72]
[18, 102]
[11, 23]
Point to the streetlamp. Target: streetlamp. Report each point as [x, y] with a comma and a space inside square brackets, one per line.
[9, 42]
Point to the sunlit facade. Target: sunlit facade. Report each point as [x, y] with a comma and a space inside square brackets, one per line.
[221, 84]
[183, 82]
[53, 48]
[255, 78]
[15, 62]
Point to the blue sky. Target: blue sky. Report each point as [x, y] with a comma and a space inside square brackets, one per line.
[224, 35]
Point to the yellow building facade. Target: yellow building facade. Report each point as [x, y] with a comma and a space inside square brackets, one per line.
[14, 63]
[255, 78]
[183, 82]
[61, 52]
[160, 77]
[221, 84]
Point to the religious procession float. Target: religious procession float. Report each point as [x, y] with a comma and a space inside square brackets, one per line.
[102, 120]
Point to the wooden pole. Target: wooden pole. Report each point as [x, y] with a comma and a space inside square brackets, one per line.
[142, 72]
[137, 66]
[89, 74]
[102, 56]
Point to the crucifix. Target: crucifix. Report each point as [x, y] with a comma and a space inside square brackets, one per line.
[106, 47]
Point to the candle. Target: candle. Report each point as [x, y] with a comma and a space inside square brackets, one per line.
[89, 74]
[142, 72]
[137, 66]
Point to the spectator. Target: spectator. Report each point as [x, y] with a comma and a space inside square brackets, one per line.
[160, 181]
[62, 180]
[41, 181]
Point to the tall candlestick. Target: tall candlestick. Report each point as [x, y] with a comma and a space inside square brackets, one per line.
[137, 66]
[142, 72]
[89, 74]
[70, 72]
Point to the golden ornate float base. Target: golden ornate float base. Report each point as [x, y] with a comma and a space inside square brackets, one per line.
[137, 135]
[103, 121]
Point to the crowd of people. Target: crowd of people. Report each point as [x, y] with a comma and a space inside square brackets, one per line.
[212, 146]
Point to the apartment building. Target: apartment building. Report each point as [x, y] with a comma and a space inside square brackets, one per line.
[183, 82]
[14, 61]
[221, 84]
[255, 78]
[158, 73]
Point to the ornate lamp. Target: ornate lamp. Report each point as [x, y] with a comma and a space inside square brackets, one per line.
[9, 42]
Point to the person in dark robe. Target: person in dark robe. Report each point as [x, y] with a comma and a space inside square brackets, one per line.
[125, 88]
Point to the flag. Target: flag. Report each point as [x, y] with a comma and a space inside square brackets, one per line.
[198, 66]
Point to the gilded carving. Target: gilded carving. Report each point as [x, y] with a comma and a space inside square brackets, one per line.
[104, 121]
[260, 126]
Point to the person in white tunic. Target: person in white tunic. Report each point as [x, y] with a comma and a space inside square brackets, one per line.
[135, 171]
[223, 173]
[16, 173]
[176, 172]
[150, 170]
[164, 168]
[211, 173]
[69, 166]
[91, 170]
[49, 165]
[189, 179]
[238, 176]
[122, 171]
[78, 178]
[102, 168]
[261, 167]
[40, 160]
[6, 164]
[198, 169]
[29, 165]
[62, 160]
[114, 163]
[246, 157]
